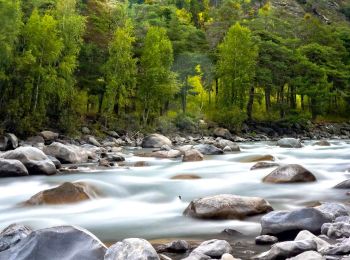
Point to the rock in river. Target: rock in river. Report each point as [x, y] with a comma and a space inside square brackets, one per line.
[263, 165]
[223, 133]
[12, 168]
[66, 153]
[213, 248]
[266, 240]
[132, 249]
[343, 185]
[282, 222]
[63, 194]
[290, 173]
[289, 143]
[33, 159]
[227, 206]
[57, 243]
[208, 149]
[155, 141]
[13, 234]
[192, 156]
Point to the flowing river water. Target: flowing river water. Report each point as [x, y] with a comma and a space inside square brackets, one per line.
[144, 201]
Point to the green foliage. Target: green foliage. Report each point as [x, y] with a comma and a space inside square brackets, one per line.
[231, 119]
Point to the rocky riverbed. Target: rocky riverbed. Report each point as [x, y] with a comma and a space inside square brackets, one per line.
[153, 197]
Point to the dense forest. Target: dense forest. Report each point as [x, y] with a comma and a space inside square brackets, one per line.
[164, 63]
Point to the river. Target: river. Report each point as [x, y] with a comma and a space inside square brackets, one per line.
[144, 201]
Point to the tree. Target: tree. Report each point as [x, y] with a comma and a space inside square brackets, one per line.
[157, 83]
[236, 66]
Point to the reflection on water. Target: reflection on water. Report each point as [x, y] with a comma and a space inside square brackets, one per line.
[144, 201]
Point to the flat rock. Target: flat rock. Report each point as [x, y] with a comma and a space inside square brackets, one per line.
[192, 156]
[36, 162]
[289, 143]
[66, 153]
[155, 141]
[279, 222]
[57, 243]
[13, 234]
[263, 165]
[227, 206]
[131, 249]
[12, 168]
[290, 173]
[208, 149]
[63, 194]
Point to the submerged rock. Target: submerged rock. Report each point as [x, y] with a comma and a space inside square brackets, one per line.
[13, 234]
[289, 143]
[192, 156]
[185, 177]
[63, 194]
[36, 162]
[132, 249]
[227, 206]
[280, 222]
[12, 168]
[208, 149]
[155, 141]
[57, 243]
[263, 165]
[290, 173]
[257, 158]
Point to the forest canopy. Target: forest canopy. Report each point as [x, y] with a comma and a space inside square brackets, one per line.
[170, 63]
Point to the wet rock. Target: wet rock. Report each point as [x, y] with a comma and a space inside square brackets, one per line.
[341, 248]
[167, 154]
[223, 133]
[49, 136]
[192, 156]
[223, 143]
[8, 142]
[66, 153]
[131, 249]
[280, 222]
[343, 185]
[336, 230]
[303, 235]
[12, 168]
[155, 141]
[57, 243]
[263, 165]
[308, 255]
[266, 240]
[92, 140]
[213, 248]
[185, 177]
[322, 143]
[257, 158]
[287, 249]
[289, 143]
[63, 194]
[289, 174]
[333, 209]
[227, 206]
[208, 149]
[13, 234]
[177, 246]
[36, 162]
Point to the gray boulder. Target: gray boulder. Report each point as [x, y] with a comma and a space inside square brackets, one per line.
[334, 209]
[131, 249]
[66, 153]
[36, 162]
[303, 235]
[208, 149]
[177, 246]
[287, 249]
[12, 168]
[290, 173]
[13, 234]
[289, 143]
[155, 141]
[57, 243]
[192, 156]
[336, 230]
[266, 240]
[213, 248]
[279, 222]
[223, 143]
[227, 206]
[308, 255]
[223, 133]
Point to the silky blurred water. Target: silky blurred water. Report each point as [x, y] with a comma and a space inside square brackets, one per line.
[144, 201]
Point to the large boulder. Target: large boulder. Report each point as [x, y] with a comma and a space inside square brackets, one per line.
[192, 156]
[289, 174]
[289, 143]
[223, 143]
[287, 249]
[66, 153]
[155, 141]
[36, 162]
[284, 222]
[63, 194]
[57, 243]
[131, 249]
[9, 142]
[208, 149]
[223, 133]
[227, 206]
[13, 234]
[12, 168]
[213, 248]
